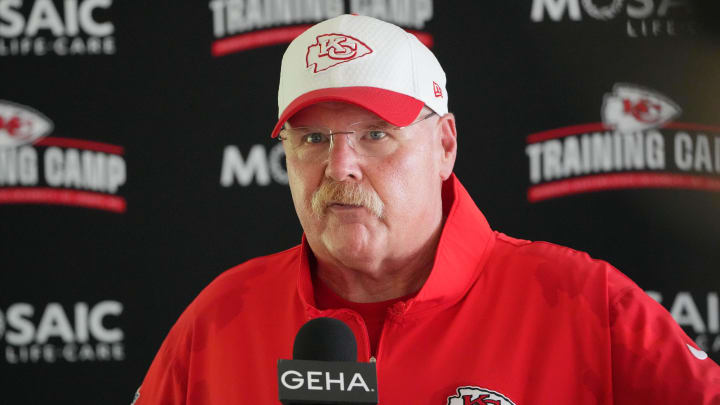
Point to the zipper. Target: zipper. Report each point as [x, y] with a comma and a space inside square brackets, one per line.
[392, 312]
[366, 335]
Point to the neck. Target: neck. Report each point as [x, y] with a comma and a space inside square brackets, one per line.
[382, 281]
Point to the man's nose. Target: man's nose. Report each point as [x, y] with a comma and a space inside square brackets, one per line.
[343, 160]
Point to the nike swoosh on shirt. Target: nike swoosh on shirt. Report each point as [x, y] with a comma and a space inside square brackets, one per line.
[699, 354]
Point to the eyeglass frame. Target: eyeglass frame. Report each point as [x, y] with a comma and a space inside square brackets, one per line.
[331, 134]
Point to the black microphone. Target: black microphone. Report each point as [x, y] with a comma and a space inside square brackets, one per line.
[324, 369]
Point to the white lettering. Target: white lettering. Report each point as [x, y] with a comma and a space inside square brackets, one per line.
[683, 151]
[617, 151]
[93, 173]
[86, 353]
[297, 379]
[71, 19]
[72, 169]
[217, 7]
[77, 46]
[552, 152]
[533, 151]
[60, 46]
[27, 161]
[87, 22]
[340, 381]
[401, 12]
[597, 152]
[634, 158]
[15, 20]
[53, 166]
[69, 352]
[8, 166]
[555, 9]
[234, 167]
[571, 157]
[703, 161]
[357, 381]
[81, 322]
[602, 152]
[44, 16]
[655, 150]
[713, 308]
[17, 318]
[117, 173]
[253, 14]
[89, 170]
[312, 379]
[53, 323]
[686, 312]
[235, 16]
[95, 321]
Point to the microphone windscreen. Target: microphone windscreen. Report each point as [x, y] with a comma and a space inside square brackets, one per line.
[325, 339]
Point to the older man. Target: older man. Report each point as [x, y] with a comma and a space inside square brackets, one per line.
[451, 311]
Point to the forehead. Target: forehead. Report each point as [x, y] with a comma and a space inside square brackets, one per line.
[332, 113]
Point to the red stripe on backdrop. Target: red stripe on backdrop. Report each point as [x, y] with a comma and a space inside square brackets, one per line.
[599, 126]
[40, 195]
[565, 131]
[256, 39]
[617, 181]
[276, 36]
[691, 126]
[81, 144]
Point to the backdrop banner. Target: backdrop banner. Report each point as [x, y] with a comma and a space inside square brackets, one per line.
[136, 163]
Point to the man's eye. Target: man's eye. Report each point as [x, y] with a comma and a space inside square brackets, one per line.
[376, 135]
[314, 137]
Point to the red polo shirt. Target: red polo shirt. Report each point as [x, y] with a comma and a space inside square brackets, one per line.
[499, 321]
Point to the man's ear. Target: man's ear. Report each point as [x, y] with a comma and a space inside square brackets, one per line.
[448, 141]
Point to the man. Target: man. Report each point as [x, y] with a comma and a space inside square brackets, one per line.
[450, 311]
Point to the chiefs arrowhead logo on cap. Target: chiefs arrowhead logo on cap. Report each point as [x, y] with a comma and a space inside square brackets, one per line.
[333, 49]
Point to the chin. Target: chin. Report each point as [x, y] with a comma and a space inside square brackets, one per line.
[351, 246]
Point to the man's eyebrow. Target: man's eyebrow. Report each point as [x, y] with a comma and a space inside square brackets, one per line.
[376, 123]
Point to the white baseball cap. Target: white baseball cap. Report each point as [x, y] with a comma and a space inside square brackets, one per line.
[362, 61]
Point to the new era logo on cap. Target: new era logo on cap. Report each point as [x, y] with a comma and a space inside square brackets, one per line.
[332, 49]
[437, 90]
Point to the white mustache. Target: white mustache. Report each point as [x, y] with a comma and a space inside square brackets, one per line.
[338, 192]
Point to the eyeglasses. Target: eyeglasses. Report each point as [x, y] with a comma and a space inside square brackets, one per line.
[374, 139]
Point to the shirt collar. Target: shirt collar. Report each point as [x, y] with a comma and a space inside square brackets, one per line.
[463, 248]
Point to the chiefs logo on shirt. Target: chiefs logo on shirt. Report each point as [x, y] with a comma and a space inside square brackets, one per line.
[333, 49]
[478, 396]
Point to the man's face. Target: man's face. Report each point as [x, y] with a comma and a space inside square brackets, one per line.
[345, 186]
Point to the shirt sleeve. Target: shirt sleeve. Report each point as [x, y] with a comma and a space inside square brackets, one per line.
[654, 361]
[166, 381]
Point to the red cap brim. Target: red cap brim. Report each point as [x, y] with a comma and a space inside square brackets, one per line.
[395, 108]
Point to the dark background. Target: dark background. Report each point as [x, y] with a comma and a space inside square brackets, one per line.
[175, 108]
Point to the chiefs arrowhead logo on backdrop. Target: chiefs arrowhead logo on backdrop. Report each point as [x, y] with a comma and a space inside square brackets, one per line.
[630, 108]
[20, 125]
[478, 396]
[333, 49]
